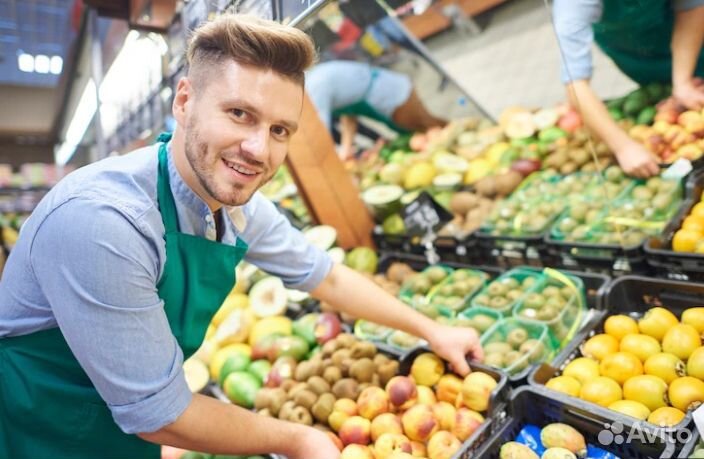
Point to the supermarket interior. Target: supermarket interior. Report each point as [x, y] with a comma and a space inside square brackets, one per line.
[352, 229]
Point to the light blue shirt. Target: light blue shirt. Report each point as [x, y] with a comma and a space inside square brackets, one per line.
[573, 24]
[88, 261]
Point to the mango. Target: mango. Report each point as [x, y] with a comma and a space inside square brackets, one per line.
[515, 450]
[558, 453]
[560, 435]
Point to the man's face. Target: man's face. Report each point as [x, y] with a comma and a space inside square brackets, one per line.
[238, 127]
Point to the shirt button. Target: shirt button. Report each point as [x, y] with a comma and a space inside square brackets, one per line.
[209, 218]
[210, 234]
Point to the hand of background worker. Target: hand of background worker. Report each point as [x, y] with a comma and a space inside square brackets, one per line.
[690, 93]
[314, 444]
[636, 161]
[456, 344]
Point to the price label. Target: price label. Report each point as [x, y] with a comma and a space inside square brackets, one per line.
[678, 170]
[424, 215]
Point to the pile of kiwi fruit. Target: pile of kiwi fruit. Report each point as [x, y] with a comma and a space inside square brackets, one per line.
[513, 351]
[547, 304]
[343, 369]
[453, 293]
[503, 293]
[417, 286]
[575, 155]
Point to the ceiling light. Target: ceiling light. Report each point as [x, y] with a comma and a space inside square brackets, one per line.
[41, 63]
[25, 62]
[57, 65]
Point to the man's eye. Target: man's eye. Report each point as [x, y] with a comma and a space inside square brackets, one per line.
[279, 131]
[241, 114]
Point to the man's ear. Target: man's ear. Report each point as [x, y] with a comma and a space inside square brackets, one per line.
[184, 96]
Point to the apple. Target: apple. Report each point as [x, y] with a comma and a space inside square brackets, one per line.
[355, 429]
[354, 451]
[327, 327]
[426, 396]
[476, 390]
[281, 370]
[443, 445]
[419, 423]
[466, 423]
[372, 402]
[445, 415]
[402, 391]
[389, 443]
[448, 387]
[386, 423]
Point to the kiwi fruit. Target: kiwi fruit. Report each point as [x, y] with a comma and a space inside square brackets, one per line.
[276, 400]
[497, 289]
[329, 347]
[346, 388]
[533, 348]
[332, 374]
[305, 398]
[286, 410]
[495, 359]
[380, 359]
[362, 370]
[499, 302]
[515, 360]
[547, 313]
[265, 412]
[514, 295]
[262, 399]
[301, 415]
[529, 313]
[363, 349]
[287, 385]
[482, 322]
[297, 388]
[318, 385]
[497, 348]
[482, 299]
[345, 340]
[340, 356]
[528, 282]
[323, 407]
[386, 372]
[551, 291]
[304, 370]
[516, 337]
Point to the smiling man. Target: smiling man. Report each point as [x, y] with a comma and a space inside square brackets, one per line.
[120, 268]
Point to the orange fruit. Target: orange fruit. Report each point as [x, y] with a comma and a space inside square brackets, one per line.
[681, 340]
[686, 240]
[621, 366]
[565, 384]
[694, 223]
[620, 325]
[664, 365]
[599, 346]
[686, 393]
[649, 390]
[698, 210]
[602, 391]
[582, 369]
[666, 416]
[642, 346]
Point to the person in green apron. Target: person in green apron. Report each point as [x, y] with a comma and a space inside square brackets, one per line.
[349, 89]
[120, 268]
[649, 41]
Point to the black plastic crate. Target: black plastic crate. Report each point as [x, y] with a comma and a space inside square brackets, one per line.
[632, 296]
[533, 405]
[448, 248]
[512, 251]
[678, 265]
[494, 415]
[689, 447]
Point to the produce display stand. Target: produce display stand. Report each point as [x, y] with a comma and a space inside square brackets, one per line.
[510, 251]
[534, 405]
[632, 296]
[660, 256]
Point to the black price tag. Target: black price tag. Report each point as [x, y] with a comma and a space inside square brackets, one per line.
[424, 215]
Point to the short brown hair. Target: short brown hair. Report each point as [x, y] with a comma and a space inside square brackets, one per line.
[249, 40]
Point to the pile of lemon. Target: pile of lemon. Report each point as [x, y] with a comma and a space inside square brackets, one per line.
[650, 369]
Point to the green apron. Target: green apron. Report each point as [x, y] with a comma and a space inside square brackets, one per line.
[636, 35]
[48, 406]
[362, 108]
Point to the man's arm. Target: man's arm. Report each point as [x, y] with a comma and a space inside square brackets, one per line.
[687, 40]
[351, 293]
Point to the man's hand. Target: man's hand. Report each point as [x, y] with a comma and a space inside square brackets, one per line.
[314, 444]
[689, 93]
[635, 160]
[456, 344]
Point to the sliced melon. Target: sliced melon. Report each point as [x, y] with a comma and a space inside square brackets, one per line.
[447, 181]
[520, 126]
[321, 236]
[383, 200]
[268, 297]
[337, 254]
[297, 296]
[409, 197]
[545, 118]
[196, 373]
[447, 162]
[235, 327]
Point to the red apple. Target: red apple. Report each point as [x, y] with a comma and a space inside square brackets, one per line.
[327, 327]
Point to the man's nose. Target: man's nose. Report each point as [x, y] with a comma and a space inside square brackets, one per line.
[256, 144]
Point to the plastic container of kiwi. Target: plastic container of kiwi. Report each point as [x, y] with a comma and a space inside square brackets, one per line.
[370, 331]
[455, 293]
[537, 184]
[523, 220]
[479, 318]
[566, 313]
[504, 331]
[404, 341]
[510, 280]
[407, 295]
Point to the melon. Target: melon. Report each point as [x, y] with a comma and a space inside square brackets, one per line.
[448, 181]
[383, 200]
[235, 327]
[337, 254]
[268, 297]
[321, 236]
[447, 162]
[196, 373]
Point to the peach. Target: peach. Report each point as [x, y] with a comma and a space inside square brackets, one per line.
[445, 415]
[400, 455]
[418, 449]
[355, 429]
[390, 443]
[372, 402]
[354, 451]
[443, 445]
[476, 390]
[346, 405]
[402, 391]
[427, 369]
[426, 396]
[466, 423]
[419, 423]
[335, 439]
[448, 387]
[385, 423]
[336, 419]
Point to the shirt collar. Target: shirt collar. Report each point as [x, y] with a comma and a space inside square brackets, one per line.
[184, 195]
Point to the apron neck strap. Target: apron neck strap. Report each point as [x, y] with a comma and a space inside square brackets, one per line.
[167, 206]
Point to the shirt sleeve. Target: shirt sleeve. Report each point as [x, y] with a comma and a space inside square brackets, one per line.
[280, 249]
[98, 272]
[573, 21]
[684, 5]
